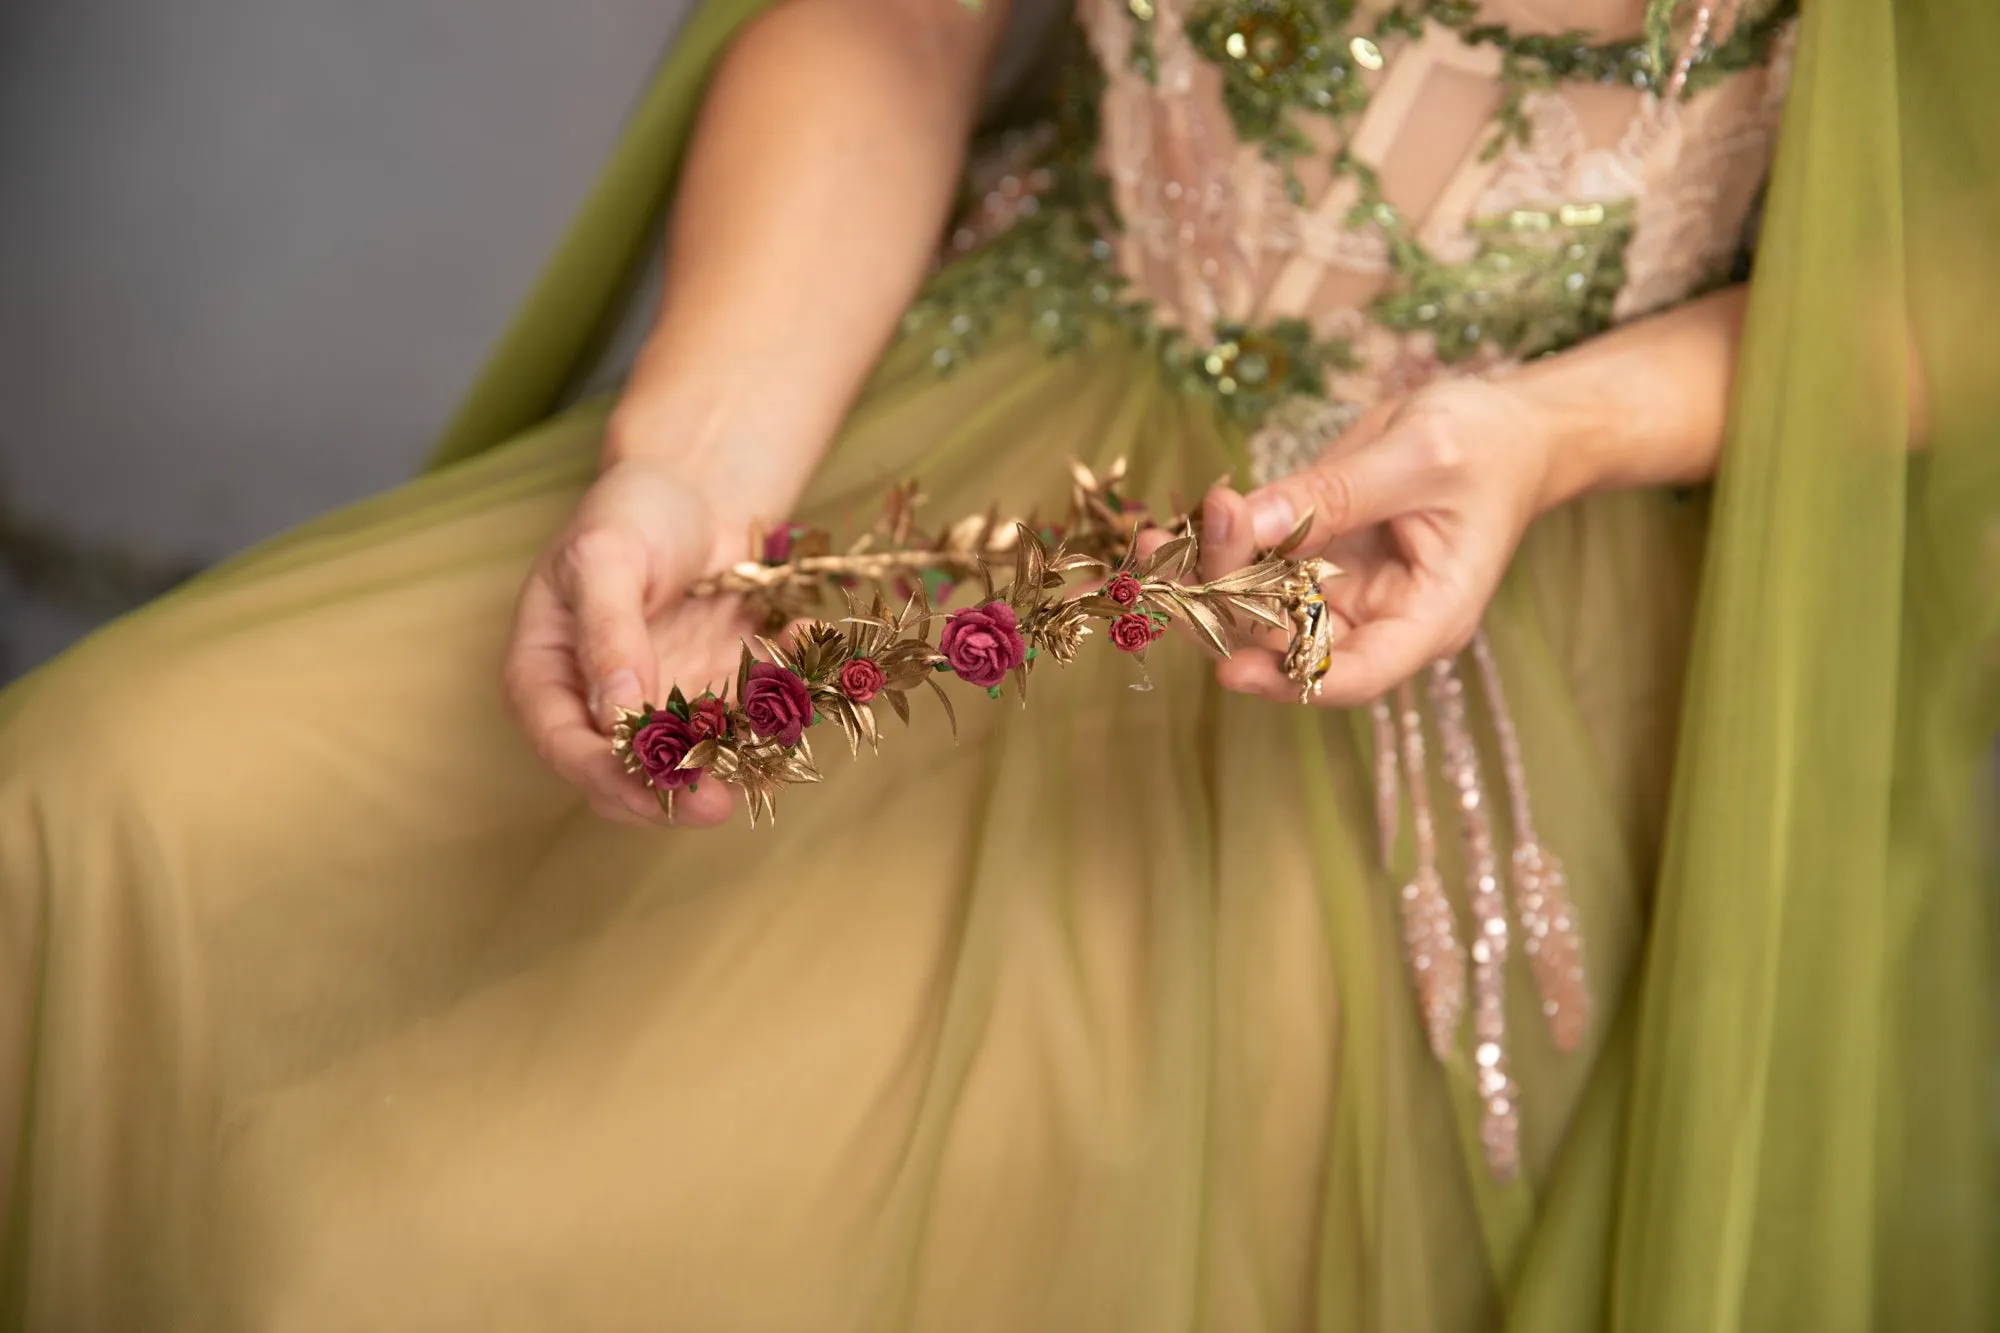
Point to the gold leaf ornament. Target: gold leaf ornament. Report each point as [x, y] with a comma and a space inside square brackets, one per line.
[1095, 542]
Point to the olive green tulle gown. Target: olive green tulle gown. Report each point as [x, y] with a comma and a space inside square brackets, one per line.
[324, 1007]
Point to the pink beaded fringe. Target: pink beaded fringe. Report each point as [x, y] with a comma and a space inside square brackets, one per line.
[1430, 940]
[1499, 1127]
[1707, 23]
[1437, 960]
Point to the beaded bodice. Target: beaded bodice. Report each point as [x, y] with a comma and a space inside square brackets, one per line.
[1311, 205]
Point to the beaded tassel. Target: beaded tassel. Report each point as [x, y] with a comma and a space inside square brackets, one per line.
[1547, 922]
[1430, 939]
[1704, 25]
[1500, 1122]
[1388, 794]
[1550, 936]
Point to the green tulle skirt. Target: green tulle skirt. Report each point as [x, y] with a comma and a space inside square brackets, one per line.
[325, 1007]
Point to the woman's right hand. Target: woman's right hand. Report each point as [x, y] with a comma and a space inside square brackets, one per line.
[603, 623]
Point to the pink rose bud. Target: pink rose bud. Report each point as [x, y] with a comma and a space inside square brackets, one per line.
[1123, 589]
[983, 643]
[778, 545]
[709, 717]
[660, 745]
[861, 680]
[776, 703]
[1132, 631]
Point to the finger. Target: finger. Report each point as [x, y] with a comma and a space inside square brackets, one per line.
[545, 691]
[1379, 655]
[1226, 541]
[602, 578]
[704, 805]
[1253, 670]
[1260, 668]
[1352, 489]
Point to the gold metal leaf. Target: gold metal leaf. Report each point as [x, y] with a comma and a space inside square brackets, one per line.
[777, 654]
[950, 714]
[1167, 561]
[1296, 536]
[1200, 617]
[842, 711]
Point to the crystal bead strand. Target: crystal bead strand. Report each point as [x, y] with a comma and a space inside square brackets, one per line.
[1549, 932]
[1705, 25]
[1500, 1120]
[1430, 938]
[1388, 795]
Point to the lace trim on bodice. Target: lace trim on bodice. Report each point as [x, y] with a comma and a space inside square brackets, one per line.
[1222, 231]
[1317, 211]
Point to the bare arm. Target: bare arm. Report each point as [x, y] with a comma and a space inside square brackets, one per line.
[1646, 404]
[1452, 476]
[815, 191]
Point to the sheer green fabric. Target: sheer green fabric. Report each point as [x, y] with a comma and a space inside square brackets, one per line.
[1808, 1143]
[1790, 1127]
[323, 1005]
[575, 304]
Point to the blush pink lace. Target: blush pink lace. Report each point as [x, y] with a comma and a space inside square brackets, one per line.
[1211, 235]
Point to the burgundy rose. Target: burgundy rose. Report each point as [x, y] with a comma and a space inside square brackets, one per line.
[777, 546]
[709, 717]
[1132, 631]
[861, 680]
[1123, 589]
[983, 643]
[776, 703]
[660, 745]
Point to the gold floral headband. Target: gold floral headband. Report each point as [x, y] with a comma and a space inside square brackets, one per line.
[840, 670]
[754, 737]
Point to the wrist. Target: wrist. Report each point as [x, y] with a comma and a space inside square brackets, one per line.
[1571, 436]
[750, 474]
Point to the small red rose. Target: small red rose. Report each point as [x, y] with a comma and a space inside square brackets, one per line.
[709, 717]
[660, 745]
[1123, 589]
[778, 546]
[1132, 631]
[861, 680]
[983, 643]
[776, 703]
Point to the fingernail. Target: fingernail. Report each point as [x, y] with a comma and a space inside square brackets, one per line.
[1272, 518]
[618, 690]
[1215, 519]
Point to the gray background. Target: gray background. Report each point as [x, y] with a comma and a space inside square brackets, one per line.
[251, 251]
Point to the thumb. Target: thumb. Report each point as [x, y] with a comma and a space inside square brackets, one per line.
[603, 576]
[1342, 492]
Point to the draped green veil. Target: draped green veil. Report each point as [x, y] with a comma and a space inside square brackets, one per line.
[1804, 1134]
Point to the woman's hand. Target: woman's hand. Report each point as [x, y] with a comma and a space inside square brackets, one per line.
[603, 623]
[1421, 503]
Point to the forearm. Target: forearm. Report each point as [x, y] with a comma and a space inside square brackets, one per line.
[813, 195]
[1643, 405]
[1647, 404]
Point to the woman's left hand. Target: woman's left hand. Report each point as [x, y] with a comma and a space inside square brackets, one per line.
[1421, 503]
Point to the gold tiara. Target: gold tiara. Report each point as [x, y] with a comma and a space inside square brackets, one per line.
[753, 734]
[886, 590]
